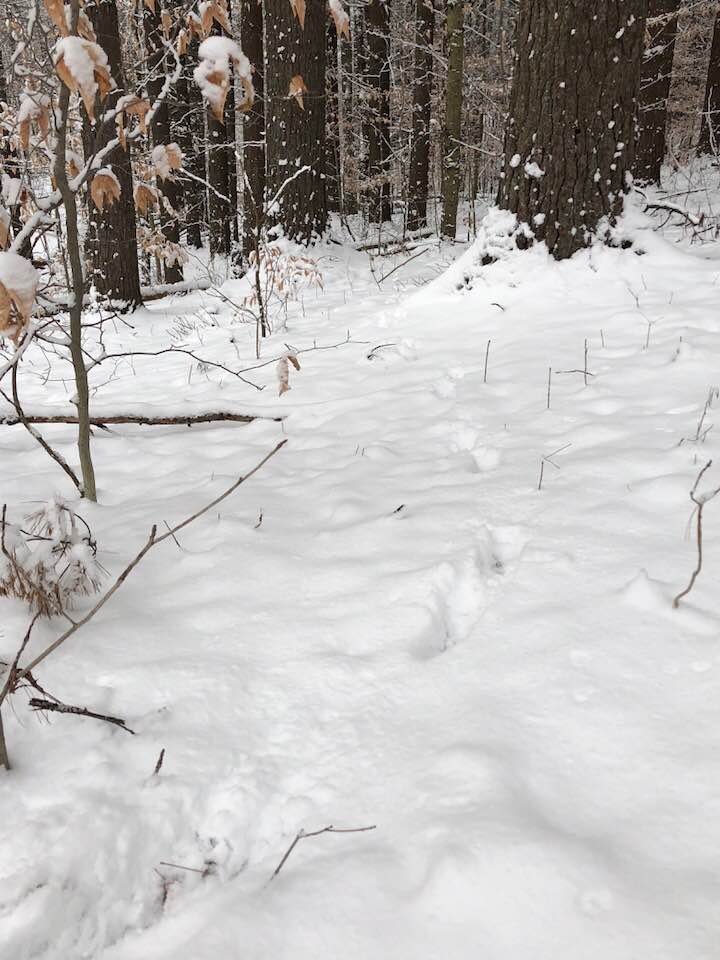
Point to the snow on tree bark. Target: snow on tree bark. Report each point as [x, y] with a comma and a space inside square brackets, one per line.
[710, 127]
[295, 132]
[655, 80]
[111, 241]
[377, 79]
[570, 136]
[251, 35]
[422, 106]
[170, 189]
[452, 152]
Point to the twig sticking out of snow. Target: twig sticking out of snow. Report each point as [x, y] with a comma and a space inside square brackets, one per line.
[699, 501]
[301, 835]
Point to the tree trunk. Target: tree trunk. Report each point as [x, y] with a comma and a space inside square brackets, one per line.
[570, 136]
[295, 125]
[251, 26]
[452, 158]
[111, 241]
[377, 78]
[421, 115]
[655, 81]
[188, 116]
[710, 127]
[10, 166]
[332, 159]
[170, 190]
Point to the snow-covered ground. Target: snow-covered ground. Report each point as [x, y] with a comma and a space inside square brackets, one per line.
[414, 636]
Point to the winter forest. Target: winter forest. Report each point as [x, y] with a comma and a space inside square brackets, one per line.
[359, 479]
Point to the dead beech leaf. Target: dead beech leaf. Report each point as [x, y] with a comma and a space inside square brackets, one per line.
[296, 89]
[85, 28]
[298, 8]
[104, 189]
[339, 15]
[283, 375]
[294, 361]
[4, 228]
[146, 198]
[150, 4]
[220, 16]
[183, 42]
[165, 22]
[56, 12]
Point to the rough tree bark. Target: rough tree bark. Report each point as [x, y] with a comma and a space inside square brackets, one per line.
[251, 27]
[452, 154]
[111, 240]
[377, 79]
[295, 125]
[710, 128]
[570, 135]
[421, 115]
[170, 190]
[188, 125]
[655, 81]
[10, 166]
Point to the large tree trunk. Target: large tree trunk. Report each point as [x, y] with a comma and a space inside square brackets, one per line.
[452, 158]
[710, 127]
[295, 125]
[570, 136]
[111, 241]
[655, 81]
[377, 78]
[421, 115]
[251, 27]
[171, 193]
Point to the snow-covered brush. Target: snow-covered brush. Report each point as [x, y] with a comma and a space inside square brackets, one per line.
[50, 560]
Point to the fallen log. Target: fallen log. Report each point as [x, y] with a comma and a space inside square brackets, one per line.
[120, 418]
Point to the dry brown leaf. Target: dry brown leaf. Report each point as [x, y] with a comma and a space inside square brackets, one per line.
[104, 190]
[342, 20]
[283, 375]
[138, 108]
[85, 28]
[24, 133]
[206, 18]
[146, 198]
[183, 42]
[101, 76]
[16, 307]
[166, 22]
[296, 89]
[150, 4]
[56, 12]
[4, 228]
[294, 361]
[298, 8]
[220, 16]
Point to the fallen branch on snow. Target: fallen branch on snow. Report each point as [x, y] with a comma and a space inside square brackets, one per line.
[55, 706]
[316, 833]
[216, 417]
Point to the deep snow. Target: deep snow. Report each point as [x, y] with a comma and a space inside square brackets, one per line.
[413, 637]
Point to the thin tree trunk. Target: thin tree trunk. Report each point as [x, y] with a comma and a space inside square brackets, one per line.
[111, 240]
[377, 77]
[655, 82]
[452, 159]
[10, 164]
[171, 192]
[710, 126]
[295, 125]
[581, 62]
[422, 109]
[251, 26]
[78, 290]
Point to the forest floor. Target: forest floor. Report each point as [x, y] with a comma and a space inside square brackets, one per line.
[389, 625]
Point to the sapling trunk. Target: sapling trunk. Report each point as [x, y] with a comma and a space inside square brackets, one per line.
[78, 290]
